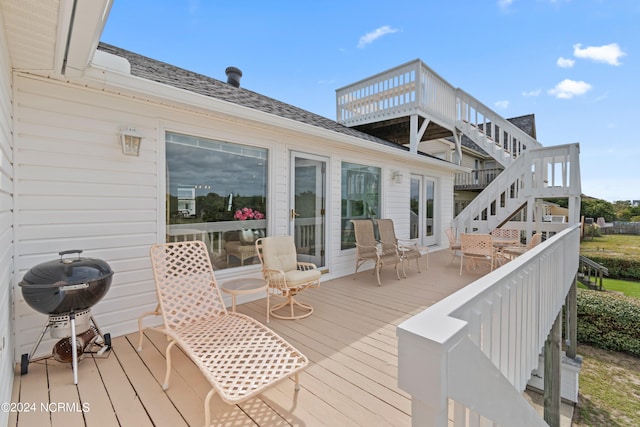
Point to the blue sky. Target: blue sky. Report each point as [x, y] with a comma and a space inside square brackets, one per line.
[573, 63]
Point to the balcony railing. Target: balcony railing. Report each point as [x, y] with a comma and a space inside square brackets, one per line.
[414, 88]
[397, 92]
[477, 179]
[475, 350]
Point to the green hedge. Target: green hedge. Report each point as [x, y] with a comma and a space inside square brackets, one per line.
[609, 321]
[619, 268]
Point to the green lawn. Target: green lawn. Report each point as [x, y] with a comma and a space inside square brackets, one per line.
[630, 289]
[613, 245]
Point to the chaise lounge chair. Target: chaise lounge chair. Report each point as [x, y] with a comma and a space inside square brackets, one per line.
[238, 355]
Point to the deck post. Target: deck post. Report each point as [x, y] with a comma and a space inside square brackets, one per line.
[552, 379]
[571, 308]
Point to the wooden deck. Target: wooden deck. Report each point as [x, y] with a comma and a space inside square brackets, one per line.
[352, 380]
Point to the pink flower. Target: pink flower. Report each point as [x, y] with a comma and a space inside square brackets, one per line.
[248, 213]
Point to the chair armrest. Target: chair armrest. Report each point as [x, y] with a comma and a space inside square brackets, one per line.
[375, 249]
[275, 278]
[306, 266]
[409, 244]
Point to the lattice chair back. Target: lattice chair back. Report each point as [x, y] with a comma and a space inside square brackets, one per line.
[185, 283]
[476, 244]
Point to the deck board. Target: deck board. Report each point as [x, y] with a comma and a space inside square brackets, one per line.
[122, 395]
[352, 379]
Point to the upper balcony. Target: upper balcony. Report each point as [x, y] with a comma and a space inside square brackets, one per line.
[411, 103]
[383, 103]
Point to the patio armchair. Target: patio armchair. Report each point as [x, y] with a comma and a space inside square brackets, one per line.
[506, 236]
[239, 356]
[512, 252]
[285, 276]
[407, 249]
[234, 247]
[454, 244]
[367, 249]
[477, 248]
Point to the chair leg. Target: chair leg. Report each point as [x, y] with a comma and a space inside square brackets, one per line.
[141, 329]
[291, 303]
[404, 272]
[165, 385]
[207, 407]
[297, 379]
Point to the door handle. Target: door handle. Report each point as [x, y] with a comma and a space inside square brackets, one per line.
[294, 214]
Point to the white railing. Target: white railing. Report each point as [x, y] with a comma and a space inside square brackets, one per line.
[548, 172]
[212, 233]
[414, 88]
[473, 352]
[397, 92]
[492, 132]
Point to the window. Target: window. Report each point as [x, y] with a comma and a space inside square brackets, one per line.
[360, 198]
[217, 193]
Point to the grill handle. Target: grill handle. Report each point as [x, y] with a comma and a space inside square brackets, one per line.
[63, 286]
[70, 251]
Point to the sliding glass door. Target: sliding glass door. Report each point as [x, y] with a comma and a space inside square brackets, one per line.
[308, 205]
[422, 209]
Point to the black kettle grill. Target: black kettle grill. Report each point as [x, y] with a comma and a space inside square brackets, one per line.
[65, 289]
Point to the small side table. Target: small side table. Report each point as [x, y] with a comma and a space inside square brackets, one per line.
[245, 286]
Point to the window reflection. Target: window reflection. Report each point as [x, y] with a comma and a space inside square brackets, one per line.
[360, 198]
[217, 193]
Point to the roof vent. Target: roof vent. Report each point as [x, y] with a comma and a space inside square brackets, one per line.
[233, 76]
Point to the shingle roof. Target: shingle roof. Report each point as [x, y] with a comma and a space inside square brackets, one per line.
[171, 75]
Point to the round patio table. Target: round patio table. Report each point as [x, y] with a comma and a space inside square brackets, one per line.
[244, 286]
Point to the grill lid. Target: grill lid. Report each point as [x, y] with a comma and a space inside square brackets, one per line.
[66, 271]
[66, 285]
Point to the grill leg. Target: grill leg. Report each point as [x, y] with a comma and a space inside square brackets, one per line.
[26, 358]
[74, 348]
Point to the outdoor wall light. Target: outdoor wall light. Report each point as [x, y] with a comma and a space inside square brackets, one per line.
[131, 141]
[396, 177]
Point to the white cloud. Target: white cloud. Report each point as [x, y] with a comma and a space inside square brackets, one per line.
[504, 4]
[374, 35]
[504, 104]
[565, 62]
[535, 92]
[567, 89]
[609, 54]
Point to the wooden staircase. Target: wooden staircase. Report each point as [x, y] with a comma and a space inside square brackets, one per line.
[537, 174]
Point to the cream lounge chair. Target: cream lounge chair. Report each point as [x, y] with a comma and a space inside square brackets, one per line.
[238, 355]
[408, 250]
[367, 249]
[286, 276]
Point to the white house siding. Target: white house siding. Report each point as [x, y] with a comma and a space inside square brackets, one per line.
[6, 226]
[76, 190]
